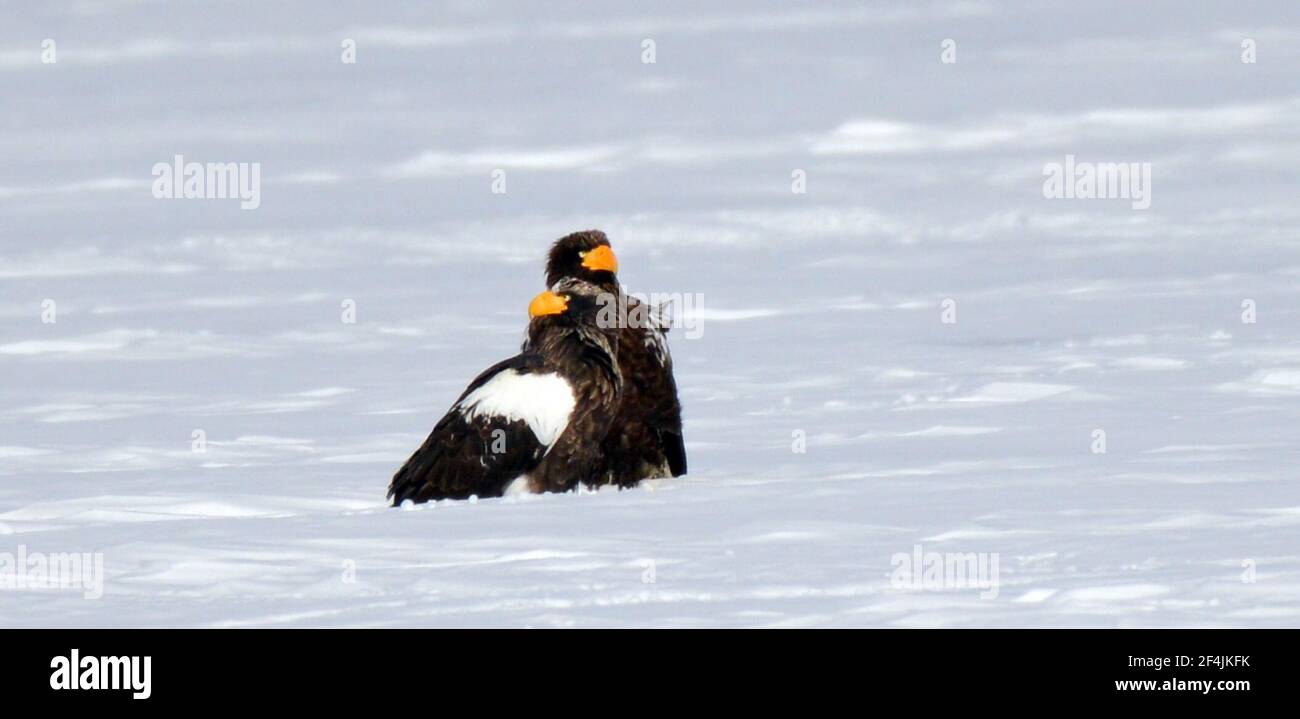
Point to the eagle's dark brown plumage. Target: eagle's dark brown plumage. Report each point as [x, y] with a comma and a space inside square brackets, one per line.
[537, 418]
[645, 437]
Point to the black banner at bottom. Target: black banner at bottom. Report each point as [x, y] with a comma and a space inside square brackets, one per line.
[335, 668]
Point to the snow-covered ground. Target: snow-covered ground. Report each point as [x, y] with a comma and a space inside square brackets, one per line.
[823, 315]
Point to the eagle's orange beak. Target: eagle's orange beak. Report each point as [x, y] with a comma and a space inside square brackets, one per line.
[601, 258]
[547, 303]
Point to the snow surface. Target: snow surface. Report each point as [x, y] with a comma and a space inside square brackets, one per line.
[822, 312]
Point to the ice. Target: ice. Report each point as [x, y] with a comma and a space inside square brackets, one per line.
[1112, 413]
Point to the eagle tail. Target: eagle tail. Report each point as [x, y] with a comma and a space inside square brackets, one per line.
[674, 451]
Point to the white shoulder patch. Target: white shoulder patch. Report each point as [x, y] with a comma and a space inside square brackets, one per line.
[544, 401]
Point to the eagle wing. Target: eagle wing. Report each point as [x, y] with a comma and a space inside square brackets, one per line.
[645, 439]
[498, 430]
